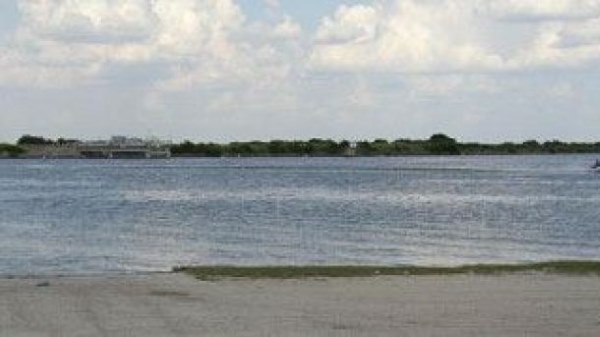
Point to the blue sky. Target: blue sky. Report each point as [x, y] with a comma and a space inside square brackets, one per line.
[223, 70]
[9, 17]
[308, 12]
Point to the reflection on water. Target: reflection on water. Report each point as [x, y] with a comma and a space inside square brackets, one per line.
[104, 216]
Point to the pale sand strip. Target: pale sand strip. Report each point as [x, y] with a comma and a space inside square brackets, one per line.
[178, 305]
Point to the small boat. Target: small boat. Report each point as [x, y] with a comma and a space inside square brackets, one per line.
[596, 166]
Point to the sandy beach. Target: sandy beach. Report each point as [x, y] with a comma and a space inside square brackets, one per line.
[179, 305]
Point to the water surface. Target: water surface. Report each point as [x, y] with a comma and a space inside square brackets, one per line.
[113, 216]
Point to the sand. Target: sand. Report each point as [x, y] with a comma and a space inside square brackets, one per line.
[178, 305]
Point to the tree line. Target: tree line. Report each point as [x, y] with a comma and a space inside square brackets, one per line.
[437, 144]
[38, 140]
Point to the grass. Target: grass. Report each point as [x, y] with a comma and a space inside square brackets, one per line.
[299, 272]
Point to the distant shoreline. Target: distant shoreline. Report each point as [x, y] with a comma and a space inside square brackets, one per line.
[437, 144]
[564, 267]
[300, 156]
[222, 272]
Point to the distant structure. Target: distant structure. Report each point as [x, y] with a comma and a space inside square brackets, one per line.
[122, 147]
[350, 151]
[117, 147]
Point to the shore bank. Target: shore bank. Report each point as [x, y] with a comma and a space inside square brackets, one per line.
[175, 304]
[565, 267]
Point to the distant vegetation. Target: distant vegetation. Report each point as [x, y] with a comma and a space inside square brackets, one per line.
[437, 144]
[313, 147]
[9, 150]
[36, 140]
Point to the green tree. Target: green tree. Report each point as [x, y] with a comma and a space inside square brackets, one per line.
[440, 144]
[10, 150]
[34, 140]
[186, 147]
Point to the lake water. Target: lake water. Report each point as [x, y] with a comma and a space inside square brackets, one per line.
[103, 216]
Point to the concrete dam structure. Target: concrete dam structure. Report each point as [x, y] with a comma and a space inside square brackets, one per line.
[124, 153]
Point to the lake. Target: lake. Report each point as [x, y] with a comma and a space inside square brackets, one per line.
[117, 216]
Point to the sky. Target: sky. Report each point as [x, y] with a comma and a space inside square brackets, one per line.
[226, 70]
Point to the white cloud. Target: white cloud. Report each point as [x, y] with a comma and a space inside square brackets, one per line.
[413, 36]
[199, 41]
[23, 70]
[544, 9]
[97, 21]
[408, 36]
[287, 29]
[187, 27]
[210, 42]
[350, 24]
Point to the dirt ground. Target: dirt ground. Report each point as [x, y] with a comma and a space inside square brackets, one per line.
[178, 305]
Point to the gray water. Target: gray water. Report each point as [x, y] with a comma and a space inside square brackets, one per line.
[103, 216]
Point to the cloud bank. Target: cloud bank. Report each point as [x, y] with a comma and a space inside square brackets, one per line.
[454, 35]
[361, 58]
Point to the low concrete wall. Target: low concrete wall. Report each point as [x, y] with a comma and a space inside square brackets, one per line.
[76, 151]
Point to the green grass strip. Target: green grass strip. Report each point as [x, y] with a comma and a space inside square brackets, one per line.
[299, 272]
